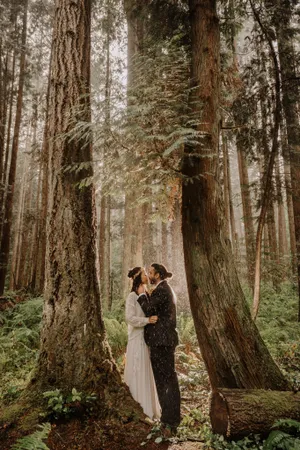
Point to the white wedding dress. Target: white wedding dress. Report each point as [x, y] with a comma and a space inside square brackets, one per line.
[138, 373]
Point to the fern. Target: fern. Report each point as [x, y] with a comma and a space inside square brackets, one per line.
[285, 437]
[35, 440]
[280, 440]
[116, 334]
[288, 424]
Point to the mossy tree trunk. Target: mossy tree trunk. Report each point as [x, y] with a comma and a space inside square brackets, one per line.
[233, 351]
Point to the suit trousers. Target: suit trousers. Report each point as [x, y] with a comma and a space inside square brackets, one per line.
[163, 366]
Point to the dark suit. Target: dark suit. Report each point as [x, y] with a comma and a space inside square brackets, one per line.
[162, 339]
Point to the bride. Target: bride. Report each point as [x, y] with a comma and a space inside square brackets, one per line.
[138, 373]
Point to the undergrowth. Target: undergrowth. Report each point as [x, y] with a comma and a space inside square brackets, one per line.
[277, 322]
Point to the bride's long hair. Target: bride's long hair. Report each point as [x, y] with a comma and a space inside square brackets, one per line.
[136, 276]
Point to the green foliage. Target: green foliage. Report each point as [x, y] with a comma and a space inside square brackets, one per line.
[19, 343]
[35, 440]
[286, 436]
[278, 325]
[218, 442]
[116, 334]
[186, 330]
[60, 405]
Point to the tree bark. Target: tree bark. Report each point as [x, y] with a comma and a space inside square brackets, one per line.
[6, 231]
[72, 318]
[290, 98]
[266, 194]
[247, 210]
[282, 232]
[236, 413]
[232, 349]
[226, 187]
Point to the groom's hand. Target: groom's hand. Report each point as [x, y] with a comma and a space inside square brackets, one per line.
[153, 319]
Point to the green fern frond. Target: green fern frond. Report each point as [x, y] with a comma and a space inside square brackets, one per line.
[35, 440]
[278, 439]
[287, 424]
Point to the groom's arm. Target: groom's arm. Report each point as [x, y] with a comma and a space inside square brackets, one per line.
[149, 307]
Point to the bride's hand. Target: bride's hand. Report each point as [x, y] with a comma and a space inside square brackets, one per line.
[141, 289]
[153, 319]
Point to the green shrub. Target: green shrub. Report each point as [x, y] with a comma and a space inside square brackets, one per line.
[60, 405]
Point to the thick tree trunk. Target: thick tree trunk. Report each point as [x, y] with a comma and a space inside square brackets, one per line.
[6, 231]
[233, 351]
[74, 351]
[237, 413]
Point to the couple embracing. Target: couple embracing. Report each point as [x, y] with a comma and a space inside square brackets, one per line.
[152, 338]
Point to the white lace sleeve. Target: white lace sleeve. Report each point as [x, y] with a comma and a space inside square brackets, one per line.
[130, 312]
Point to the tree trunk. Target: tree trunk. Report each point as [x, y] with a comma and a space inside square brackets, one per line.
[6, 231]
[247, 210]
[130, 198]
[35, 247]
[266, 194]
[226, 187]
[232, 349]
[237, 413]
[282, 233]
[18, 232]
[7, 145]
[290, 97]
[40, 275]
[289, 201]
[72, 319]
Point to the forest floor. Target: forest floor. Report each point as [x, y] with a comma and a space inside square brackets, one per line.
[93, 434]
[20, 319]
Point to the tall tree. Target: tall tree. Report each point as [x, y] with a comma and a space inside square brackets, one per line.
[290, 102]
[232, 348]
[72, 320]
[6, 230]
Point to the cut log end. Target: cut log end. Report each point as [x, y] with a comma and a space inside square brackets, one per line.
[219, 414]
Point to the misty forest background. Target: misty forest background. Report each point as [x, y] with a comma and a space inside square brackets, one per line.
[143, 120]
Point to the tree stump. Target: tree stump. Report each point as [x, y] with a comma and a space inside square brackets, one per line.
[235, 413]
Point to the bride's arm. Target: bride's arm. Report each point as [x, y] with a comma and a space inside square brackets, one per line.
[130, 316]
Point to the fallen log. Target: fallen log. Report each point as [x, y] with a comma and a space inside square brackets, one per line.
[236, 413]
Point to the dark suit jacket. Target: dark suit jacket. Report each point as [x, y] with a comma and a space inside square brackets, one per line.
[162, 304]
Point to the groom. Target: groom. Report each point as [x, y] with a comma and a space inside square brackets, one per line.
[162, 339]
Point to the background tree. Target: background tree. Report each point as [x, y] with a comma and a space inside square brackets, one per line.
[222, 318]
